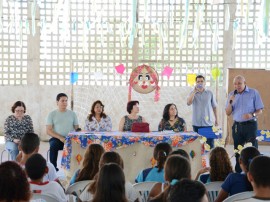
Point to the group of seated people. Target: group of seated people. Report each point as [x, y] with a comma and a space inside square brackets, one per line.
[172, 174]
[19, 123]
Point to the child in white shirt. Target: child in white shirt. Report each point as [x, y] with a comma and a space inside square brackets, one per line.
[36, 168]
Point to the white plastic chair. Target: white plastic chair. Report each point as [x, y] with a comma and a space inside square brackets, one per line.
[42, 198]
[212, 189]
[144, 189]
[2, 154]
[239, 196]
[78, 187]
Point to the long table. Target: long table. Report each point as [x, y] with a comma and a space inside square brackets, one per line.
[136, 149]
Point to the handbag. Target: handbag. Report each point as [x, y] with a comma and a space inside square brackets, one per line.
[140, 127]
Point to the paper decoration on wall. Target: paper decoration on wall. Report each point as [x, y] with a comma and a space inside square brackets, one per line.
[74, 77]
[144, 79]
[192, 154]
[120, 69]
[167, 71]
[215, 72]
[78, 158]
[153, 162]
[191, 79]
[33, 14]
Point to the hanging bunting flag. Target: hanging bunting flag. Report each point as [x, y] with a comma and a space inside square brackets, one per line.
[184, 27]
[1, 15]
[120, 69]
[215, 72]
[74, 77]
[167, 71]
[197, 23]
[266, 14]
[133, 23]
[249, 2]
[191, 79]
[98, 76]
[235, 32]
[227, 18]
[215, 32]
[33, 14]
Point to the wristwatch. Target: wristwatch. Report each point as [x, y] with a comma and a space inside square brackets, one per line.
[253, 114]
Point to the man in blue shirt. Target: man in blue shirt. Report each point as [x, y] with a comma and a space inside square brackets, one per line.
[245, 104]
[203, 105]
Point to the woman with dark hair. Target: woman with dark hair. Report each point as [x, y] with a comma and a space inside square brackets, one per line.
[13, 183]
[176, 168]
[156, 174]
[220, 166]
[15, 127]
[238, 182]
[97, 120]
[109, 157]
[110, 184]
[171, 120]
[127, 121]
[90, 164]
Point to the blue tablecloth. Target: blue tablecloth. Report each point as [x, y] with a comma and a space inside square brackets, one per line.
[114, 140]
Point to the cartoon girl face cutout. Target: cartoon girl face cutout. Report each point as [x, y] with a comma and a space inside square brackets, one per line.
[144, 79]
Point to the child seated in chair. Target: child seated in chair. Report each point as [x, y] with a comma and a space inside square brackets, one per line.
[259, 177]
[36, 168]
[156, 174]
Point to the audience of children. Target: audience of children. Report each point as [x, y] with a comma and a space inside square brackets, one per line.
[156, 174]
[172, 174]
[110, 186]
[36, 168]
[180, 152]
[187, 190]
[238, 182]
[109, 157]
[259, 177]
[14, 186]
[176, 168]
[220, 166]
[90, 164]
[30, 145]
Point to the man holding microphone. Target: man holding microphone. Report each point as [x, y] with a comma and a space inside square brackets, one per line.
[245, 104]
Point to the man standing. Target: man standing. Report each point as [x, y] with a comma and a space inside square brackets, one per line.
[245, 104]
[203, 103]
[59, 123]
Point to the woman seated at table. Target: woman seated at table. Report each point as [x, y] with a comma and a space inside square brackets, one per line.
[16, 125]
[97, 120]
[127, 121]
[171, 120]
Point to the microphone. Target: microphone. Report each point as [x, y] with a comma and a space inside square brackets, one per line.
[234, 93]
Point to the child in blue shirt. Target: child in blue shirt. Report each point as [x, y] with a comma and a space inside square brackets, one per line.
[161, 152]
[238, 182]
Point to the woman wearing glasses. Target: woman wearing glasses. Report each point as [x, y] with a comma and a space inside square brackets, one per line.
[15, 127]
